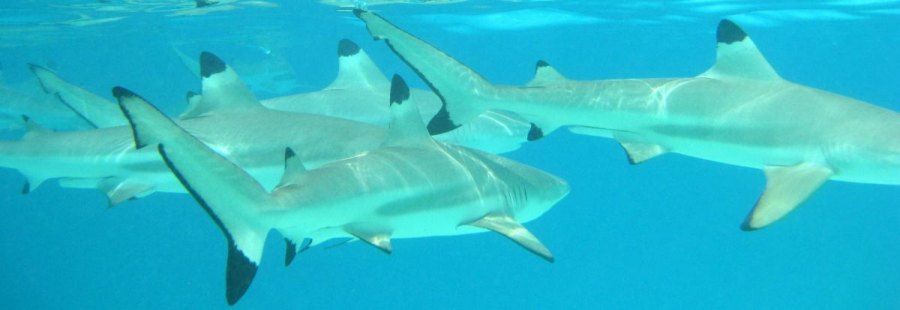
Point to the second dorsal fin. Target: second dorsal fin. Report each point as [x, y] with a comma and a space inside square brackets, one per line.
[223, 90]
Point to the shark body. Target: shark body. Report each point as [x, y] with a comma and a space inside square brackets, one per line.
[411, 186]
[739, 112]
[231, 121]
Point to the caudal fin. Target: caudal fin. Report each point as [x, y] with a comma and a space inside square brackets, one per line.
[228, 194]
[460, 88]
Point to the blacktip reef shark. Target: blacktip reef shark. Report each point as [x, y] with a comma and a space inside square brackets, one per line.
[412, 186]
[739, 112]
[229, 118]
[357, 93]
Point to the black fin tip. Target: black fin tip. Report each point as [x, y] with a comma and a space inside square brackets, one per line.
[729, 32]
[535, 132]
[239, 274]
[399, 90]
[347, 48]
[210, 64]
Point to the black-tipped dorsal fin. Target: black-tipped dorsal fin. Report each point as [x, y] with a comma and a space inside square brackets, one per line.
[544, 75]
[510, 228]
[737, 56]
[293, 168]
[32, 128]
[406, 126]
[356, 69]
[193, 101]
[223, 90]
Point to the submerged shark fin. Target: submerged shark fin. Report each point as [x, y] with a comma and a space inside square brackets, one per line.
[230, 196]
[453, 82]
[290, 252]
[99, 112]
[737, 56]
[32, 128]
[786, 188]
[32, 183]
[223, 90]
[356, 69]
[119, 190]
[641, 152]
[406, 127]
[293, 168]
[545, 75]
[510, 228]
[193, 102]
[381, 240]
[188, 62]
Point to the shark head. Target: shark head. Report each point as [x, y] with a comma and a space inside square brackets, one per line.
[534, 191]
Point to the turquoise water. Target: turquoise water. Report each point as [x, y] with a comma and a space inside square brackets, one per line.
[663, 234]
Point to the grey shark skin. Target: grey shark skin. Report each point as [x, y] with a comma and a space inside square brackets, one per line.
[739, 112]
[232, 122]
[412, 186]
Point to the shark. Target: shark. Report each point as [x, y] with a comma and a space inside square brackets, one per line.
[357, 93]
[411, 186]
[17, 101]
[227, 117]
[738, 112]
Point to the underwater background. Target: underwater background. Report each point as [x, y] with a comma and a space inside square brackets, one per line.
[663, 234]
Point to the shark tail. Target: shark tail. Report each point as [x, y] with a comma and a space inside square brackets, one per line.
[231, 197]
[461, 89]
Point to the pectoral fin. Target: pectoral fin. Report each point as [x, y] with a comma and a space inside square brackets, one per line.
[509, 227]
[786, 188]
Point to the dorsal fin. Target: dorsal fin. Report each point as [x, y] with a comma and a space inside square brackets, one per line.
[223, 90]
[356, 69]
[293, 168]
[544, 74]
[737, 56]
[193, 101]
[406, 126]
[32, 128]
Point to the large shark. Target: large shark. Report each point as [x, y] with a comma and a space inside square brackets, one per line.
[228, 118]
[739, 112]
[357, 93]
[411, 186]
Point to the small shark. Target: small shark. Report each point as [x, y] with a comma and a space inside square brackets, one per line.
[43, 108]
[228, 118]
[739, 112]
[411, 186]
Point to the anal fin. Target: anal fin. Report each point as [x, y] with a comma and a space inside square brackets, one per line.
[786, 188]
[380, 240]
[641, 152]
[119, 190]
[509, 227]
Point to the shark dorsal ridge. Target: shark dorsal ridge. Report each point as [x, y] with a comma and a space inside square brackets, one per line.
[544, 75]
[737, 56]
[223, 89]
[356, 69]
